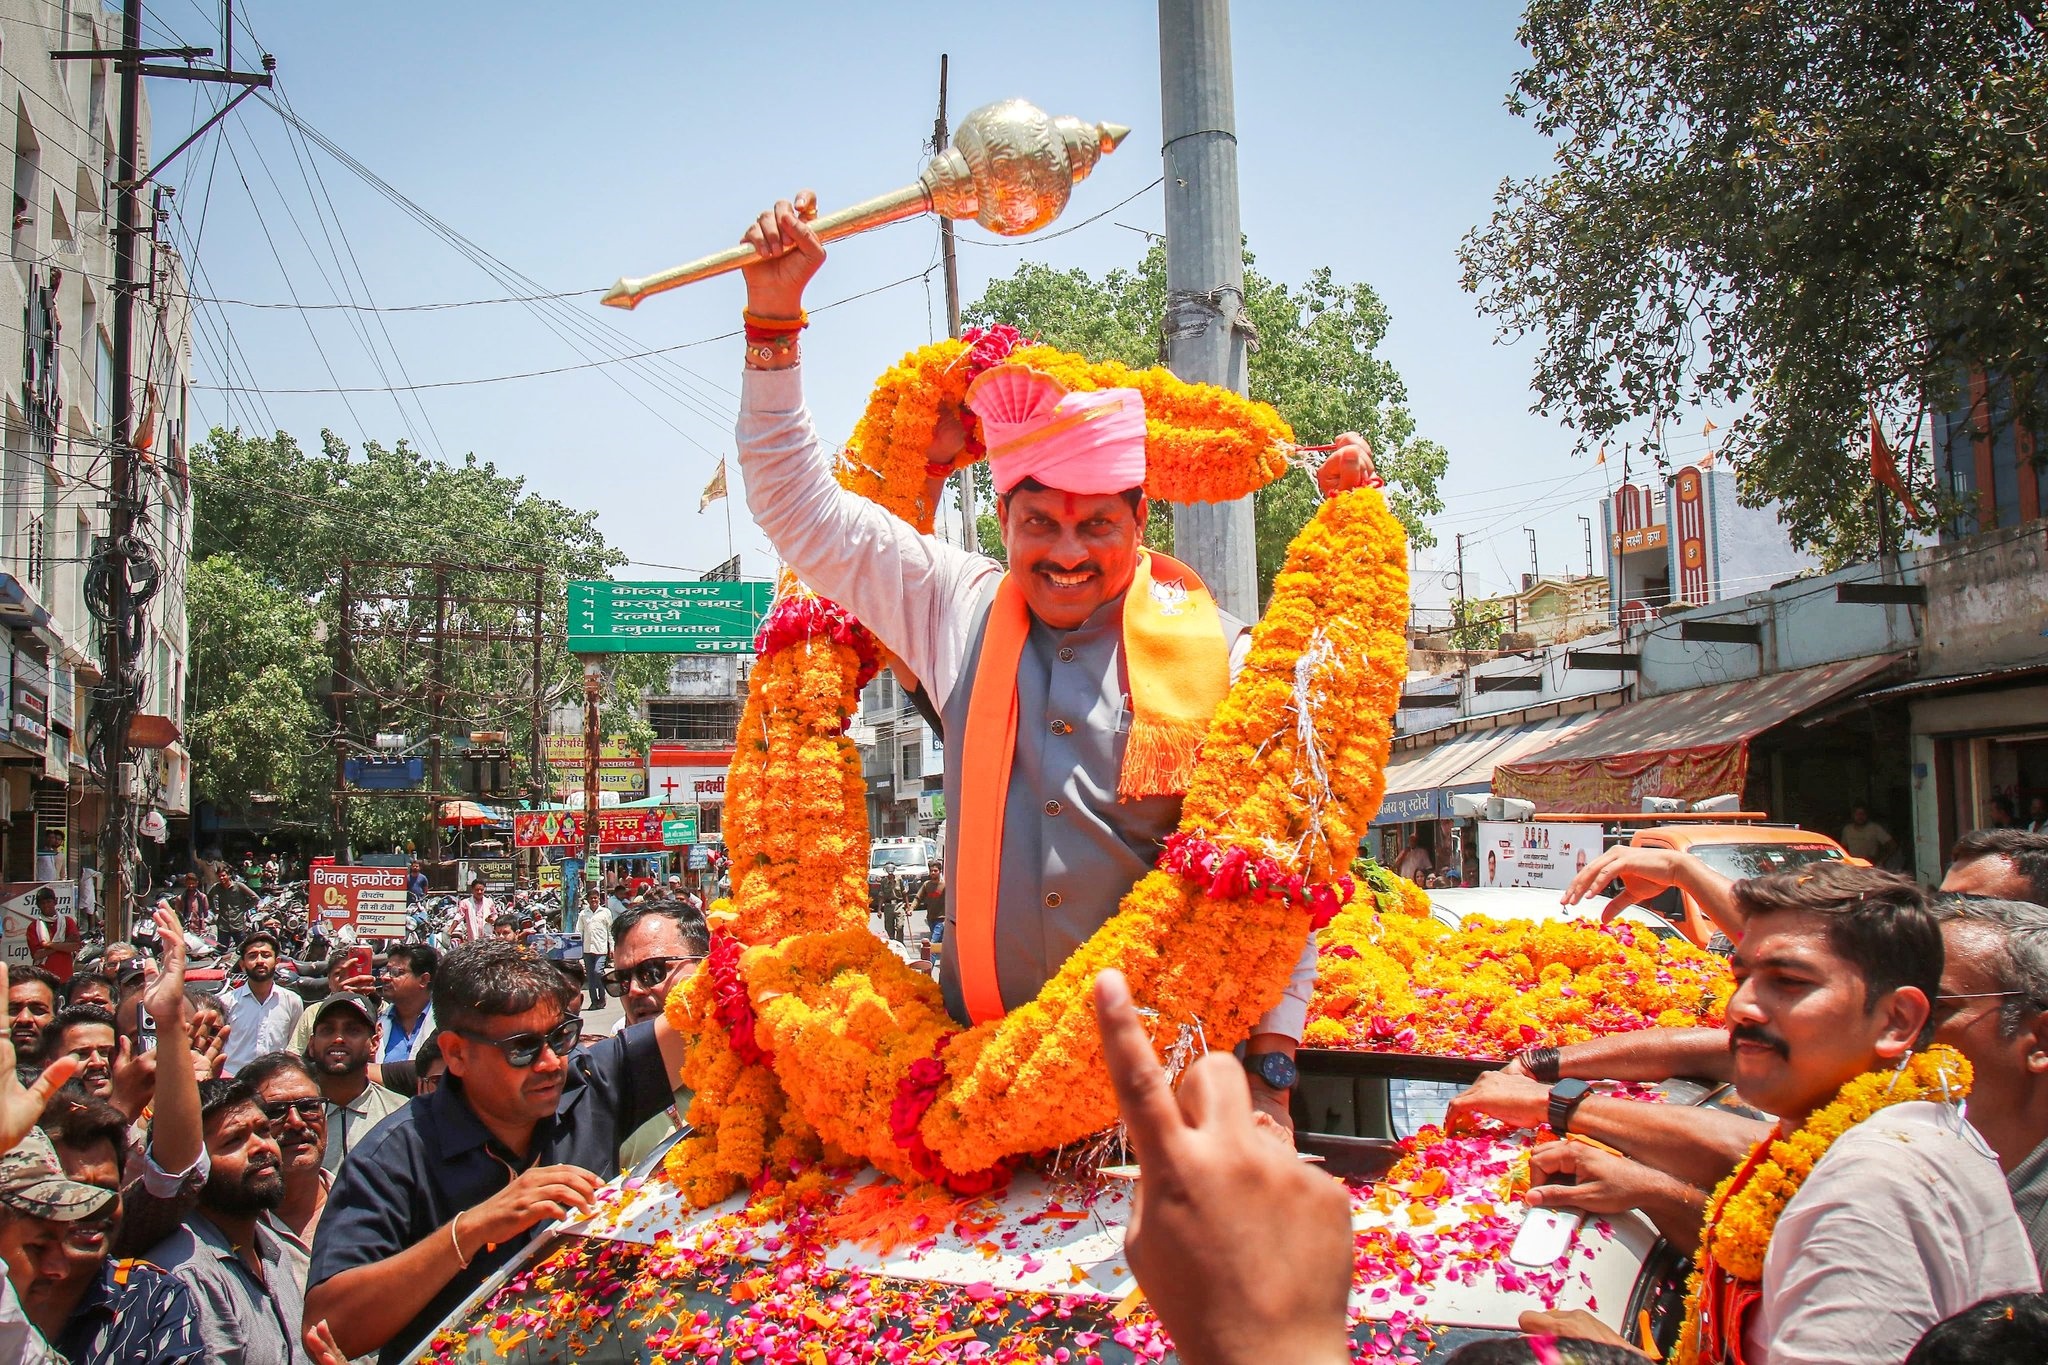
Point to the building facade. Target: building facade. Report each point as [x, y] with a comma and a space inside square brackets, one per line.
[1687, 538]
[56, 437]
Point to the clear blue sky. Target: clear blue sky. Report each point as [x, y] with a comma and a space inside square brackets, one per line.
[578, 143]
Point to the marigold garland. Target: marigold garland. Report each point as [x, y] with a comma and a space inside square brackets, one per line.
[1391, 978]
[1741, 1219]
[849, 1031]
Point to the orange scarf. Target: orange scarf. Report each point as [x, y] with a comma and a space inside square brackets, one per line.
[1178, 666]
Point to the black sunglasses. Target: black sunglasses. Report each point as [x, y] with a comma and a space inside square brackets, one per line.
[522, 1050]
[646, 975]
[309, 1108]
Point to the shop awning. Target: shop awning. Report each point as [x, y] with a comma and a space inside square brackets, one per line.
[1690, 745]
[1421, 784]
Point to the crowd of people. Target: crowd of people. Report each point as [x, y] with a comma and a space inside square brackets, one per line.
[242, 1178]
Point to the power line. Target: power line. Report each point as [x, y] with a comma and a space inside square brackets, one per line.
[566, 369]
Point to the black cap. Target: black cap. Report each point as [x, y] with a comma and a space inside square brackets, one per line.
[346, 1000]
[258, 936]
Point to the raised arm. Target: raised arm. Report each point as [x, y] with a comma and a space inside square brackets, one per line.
[915, 592]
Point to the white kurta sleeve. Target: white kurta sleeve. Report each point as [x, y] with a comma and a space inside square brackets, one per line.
[915, 592]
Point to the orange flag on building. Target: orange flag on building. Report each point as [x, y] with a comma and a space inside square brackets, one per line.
[1885, 470]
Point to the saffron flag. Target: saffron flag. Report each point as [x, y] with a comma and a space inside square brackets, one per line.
[1601, 458]
[714, 490]
[1885, 470]
[1708, 429]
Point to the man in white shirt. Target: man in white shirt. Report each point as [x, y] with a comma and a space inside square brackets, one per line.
[474, 914]
[597, 945]
[260, 1016]
[1905, 1218]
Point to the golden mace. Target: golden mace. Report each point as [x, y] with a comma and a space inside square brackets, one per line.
[1011, 168]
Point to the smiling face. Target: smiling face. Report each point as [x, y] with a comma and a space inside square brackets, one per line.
[1800, 1023]
[1071, 552]
[342, 1042]
[93, 1045]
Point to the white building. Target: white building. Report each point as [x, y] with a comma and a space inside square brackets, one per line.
[56, 312]
[1686, 537]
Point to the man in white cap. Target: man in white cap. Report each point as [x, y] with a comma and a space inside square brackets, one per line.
[1074, 688]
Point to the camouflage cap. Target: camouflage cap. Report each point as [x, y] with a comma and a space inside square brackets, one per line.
[32, 1181]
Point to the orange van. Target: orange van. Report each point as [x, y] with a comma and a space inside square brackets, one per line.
[1736, 851]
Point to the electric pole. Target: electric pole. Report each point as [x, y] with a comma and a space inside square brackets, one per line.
[593, 683]
[1461, 580]
[1206, 327]
[940, 134]
[116, 599]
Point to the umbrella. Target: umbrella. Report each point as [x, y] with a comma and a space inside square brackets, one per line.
[466, 813]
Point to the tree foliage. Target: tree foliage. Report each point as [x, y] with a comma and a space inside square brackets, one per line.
[272, 526]
[1315, 362]
[1786, 208]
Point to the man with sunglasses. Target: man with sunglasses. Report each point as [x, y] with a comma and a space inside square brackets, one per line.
[653, 948]
[289, 1095]
[523, 1129]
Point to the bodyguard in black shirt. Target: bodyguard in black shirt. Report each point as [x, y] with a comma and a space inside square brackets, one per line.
[524, 1129]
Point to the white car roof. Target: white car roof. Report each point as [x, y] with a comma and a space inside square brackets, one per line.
[1454, 903]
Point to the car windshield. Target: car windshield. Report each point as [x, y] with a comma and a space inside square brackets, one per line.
[1742, 861]
[901, 857]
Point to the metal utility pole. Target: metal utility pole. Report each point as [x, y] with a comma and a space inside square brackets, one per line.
[342, 692]
[1206, 328]
[965, 478]
[119, 681]
[1461, 579]
[112, 596]
[593, 686]
[437, 701]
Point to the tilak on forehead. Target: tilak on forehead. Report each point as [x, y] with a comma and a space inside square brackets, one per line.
[1077, 443]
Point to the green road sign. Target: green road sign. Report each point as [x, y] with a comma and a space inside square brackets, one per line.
[680, 828]
[665, 617]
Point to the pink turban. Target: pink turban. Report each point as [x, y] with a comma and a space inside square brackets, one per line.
[1034, 428]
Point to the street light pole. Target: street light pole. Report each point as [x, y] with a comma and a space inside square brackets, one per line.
[1205, 323]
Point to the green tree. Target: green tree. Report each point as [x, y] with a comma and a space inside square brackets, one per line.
[1314, 361]
[1789, 209]
[273, 523]
[255, 664]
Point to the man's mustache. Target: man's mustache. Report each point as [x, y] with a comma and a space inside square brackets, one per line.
[1085, 566]
[1758, 1034]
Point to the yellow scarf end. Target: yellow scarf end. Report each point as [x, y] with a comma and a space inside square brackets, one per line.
[1159, 757]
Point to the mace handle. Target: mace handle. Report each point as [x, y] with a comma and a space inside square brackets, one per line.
[892, 207]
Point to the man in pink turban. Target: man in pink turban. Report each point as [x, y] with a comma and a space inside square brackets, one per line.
[1106, 658]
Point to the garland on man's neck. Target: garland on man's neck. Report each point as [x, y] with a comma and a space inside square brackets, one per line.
[1743, 1214]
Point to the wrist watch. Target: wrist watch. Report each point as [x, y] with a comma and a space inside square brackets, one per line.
[1565, 1098]
[1276, 1069]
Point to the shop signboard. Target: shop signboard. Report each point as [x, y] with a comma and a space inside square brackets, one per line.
[501, 875]
[31, 715]
[680, 827]
[665, 617]
[1545, 853]
[564, 828]
[372, 899]
[18, 911]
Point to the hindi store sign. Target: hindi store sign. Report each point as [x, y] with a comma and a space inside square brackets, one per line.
[665, 617]
[370, 898]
